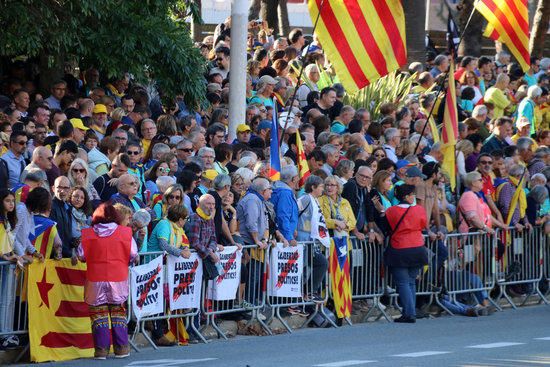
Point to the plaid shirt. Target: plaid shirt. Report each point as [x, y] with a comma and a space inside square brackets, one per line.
[202, 235]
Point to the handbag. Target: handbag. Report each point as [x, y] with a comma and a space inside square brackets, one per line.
[210, 270]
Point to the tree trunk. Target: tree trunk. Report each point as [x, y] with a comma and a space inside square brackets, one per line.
[540, 28]
[471, 42]
[284, 25]
[415, 15]
[268, 13]
[196, 27]
[254, 10]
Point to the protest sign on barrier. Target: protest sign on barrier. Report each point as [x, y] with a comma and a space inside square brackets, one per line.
[287, 265]
[184, 281]
[224, 287]
[146, 287]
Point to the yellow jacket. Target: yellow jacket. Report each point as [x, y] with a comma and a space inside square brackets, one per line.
[328, 208]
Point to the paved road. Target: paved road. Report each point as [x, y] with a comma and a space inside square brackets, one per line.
[509, 338]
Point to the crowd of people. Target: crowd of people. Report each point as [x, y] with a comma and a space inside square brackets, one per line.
[175, 180]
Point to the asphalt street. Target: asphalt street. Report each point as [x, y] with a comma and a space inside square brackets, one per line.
[510, 338]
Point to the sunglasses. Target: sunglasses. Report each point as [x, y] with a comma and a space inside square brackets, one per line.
[77, 170]
[133, 152]
[177, 197]
[22, 143]
[188, 150]
[486, 162]
[165, 170]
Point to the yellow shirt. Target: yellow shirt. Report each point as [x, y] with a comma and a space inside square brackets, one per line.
[145, 144]
[498, 99]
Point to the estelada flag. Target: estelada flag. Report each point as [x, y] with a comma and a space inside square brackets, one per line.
[364, 39]
[449, 131]
[59, 322]
[508, 22]
[340, 282]
[303, 167]
[20, 191]
[43, 236]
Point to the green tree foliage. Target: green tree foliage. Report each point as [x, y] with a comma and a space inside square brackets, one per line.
[148, 39]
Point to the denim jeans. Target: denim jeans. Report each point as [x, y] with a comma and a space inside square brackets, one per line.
[405, 281]
[469, 279]
[455, 307]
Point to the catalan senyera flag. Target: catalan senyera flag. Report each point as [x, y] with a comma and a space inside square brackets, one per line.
[59, 322]
[303, 167]
[364, 39]
[45, 231]
[274, 153]
[508, 23]
[449, 131]
[339, 276]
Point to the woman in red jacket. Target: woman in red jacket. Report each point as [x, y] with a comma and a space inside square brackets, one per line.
[406, 254]
[108, 248]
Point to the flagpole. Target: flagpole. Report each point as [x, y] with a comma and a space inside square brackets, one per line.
[291, 104]
[442, 82]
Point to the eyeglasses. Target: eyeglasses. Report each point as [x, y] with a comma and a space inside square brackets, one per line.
[170, 197]
[120, 138]
[132, 152]
[486, 162]
[164, 170]
[364, 176]
[187, 150]
[77, 170]
[330, 185]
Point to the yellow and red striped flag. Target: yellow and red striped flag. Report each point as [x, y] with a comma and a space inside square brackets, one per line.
[340, 276]
[364, 39]
[508, 23]
[303, 167]
[449, 131]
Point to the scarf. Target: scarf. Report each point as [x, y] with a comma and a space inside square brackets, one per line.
[178, 239]
[254, 192]
[203, 215]
[519, 196]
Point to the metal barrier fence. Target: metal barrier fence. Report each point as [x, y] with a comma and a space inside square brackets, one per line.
[546, 267]
[314, 261]
[250, 296]
[520, 264]
[470, 268]
[462, 264]
[367, 275]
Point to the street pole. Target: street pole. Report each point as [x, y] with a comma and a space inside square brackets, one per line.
[237, 74]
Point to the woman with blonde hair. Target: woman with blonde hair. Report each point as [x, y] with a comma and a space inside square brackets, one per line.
[463, 149]
[79, 176]
[340, 221]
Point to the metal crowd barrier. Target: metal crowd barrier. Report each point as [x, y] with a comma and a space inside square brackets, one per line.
[546, 267]
[278, 303]
[250, 296]
[167, 315]
[367, 275]
[521, 263]
[13, 305]
[470, 268]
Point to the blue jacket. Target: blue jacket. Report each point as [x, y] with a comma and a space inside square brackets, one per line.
[286, 209]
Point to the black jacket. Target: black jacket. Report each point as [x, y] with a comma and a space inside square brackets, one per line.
[63, 218]
[358, 196]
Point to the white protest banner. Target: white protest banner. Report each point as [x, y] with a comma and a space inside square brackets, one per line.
[147, 289]
[287, 265]
[224, 287]
[184, 281]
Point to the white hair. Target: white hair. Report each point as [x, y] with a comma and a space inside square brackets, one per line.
[534, 91]
[479, 110]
